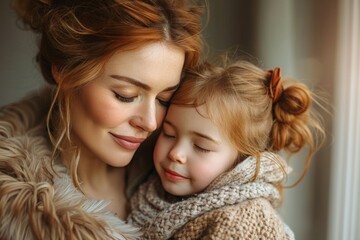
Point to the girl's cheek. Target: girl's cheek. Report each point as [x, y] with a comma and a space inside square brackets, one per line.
[161, 150]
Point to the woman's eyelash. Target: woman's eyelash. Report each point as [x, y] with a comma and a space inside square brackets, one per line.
[124, 99]
[131, 99]
[164, 103]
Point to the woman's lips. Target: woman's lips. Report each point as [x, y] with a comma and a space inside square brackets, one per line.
[174, 176]
[129, 143]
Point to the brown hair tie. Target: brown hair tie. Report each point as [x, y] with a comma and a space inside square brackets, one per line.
[275, 84]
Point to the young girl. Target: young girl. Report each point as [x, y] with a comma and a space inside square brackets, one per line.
[219, 174]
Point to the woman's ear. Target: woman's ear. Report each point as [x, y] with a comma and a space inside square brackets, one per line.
[55, 73]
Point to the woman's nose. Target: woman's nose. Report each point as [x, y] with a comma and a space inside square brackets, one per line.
[146, 117]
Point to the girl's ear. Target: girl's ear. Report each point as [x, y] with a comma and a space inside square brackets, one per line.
[55, 73]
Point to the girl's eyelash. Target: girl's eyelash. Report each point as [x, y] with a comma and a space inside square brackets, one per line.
[124, 99]
[167, 135]
[200, 149]
[197, 148]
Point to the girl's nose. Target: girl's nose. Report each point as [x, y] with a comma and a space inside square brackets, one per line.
[177, 154]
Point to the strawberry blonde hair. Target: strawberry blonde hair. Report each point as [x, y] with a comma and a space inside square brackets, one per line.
[237, 98]
[77, 38]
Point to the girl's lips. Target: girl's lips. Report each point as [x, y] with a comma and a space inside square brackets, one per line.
[129, 143]
[174, 176]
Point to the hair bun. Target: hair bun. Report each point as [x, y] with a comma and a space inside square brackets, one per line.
[296, 100]
[32, 12]
[291, 114]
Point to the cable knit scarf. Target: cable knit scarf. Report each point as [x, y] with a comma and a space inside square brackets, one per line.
[162, 216]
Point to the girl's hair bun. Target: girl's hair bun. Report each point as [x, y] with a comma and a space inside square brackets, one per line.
[292, 119]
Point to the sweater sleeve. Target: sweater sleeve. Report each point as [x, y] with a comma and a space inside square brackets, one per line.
[253, 219]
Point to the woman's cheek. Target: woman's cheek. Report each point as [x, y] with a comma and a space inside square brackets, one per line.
[102, 109]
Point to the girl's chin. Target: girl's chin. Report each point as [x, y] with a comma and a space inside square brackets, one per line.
[174, 190]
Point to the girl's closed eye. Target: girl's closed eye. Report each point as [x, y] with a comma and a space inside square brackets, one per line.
[167, 134]
[168, 130]
[201, 149]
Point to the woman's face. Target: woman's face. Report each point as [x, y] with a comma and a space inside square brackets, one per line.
[113, 114]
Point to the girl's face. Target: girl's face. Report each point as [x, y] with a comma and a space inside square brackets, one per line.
[190, 152]
[113, 114]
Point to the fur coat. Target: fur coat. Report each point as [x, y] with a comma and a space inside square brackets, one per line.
[35, 201]
[232, 207]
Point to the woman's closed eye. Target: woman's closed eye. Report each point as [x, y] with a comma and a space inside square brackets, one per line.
[124, 99]
[164, 103]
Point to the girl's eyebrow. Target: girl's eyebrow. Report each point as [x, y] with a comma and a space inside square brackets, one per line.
[169, 123]
[140, 84]
[205, 136]
[195, 133]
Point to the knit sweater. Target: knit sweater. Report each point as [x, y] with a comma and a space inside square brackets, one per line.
[234, 206]
[35, 201]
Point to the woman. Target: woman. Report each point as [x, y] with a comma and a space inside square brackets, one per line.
[112, 67]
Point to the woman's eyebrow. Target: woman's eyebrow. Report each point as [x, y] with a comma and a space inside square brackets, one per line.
[140, 84]
[132, 81]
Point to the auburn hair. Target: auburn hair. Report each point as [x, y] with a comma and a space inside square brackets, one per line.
[76, 39]
[237, 99]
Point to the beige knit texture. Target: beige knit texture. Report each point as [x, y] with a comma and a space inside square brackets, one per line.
[250, 220]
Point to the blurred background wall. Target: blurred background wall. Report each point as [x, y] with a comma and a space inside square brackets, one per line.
[18, 70]
[301, 37]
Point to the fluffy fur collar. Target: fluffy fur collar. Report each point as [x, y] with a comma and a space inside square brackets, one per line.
[35, 203]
